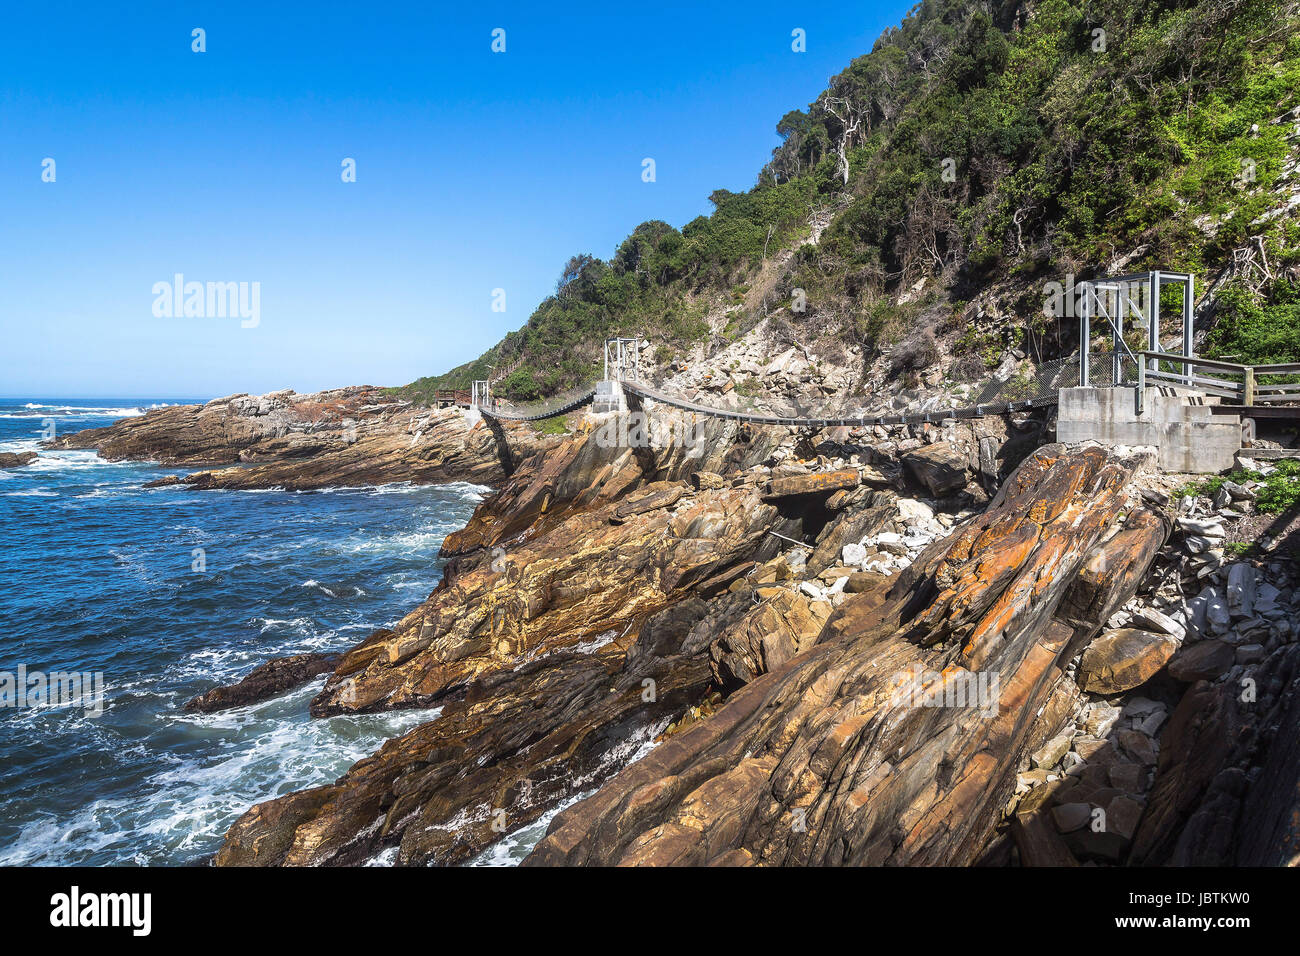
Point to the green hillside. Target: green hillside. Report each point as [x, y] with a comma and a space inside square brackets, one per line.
[975, 144]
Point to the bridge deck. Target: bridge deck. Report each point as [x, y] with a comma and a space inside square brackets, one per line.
[755, 418]
[856, 421]
[537, 416]
[851, 421]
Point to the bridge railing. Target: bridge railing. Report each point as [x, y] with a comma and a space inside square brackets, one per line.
[536, 411]
[1244, 384]
[452, 396]
[1030, 386]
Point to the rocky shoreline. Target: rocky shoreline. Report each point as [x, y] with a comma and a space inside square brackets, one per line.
[925, 645]
[344, 437]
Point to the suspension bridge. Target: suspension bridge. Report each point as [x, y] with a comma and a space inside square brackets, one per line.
[1198, 412]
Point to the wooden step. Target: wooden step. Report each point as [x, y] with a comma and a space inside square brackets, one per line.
[1259, 411]
[1262, 454]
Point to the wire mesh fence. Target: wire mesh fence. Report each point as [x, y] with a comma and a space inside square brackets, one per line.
[1029, 385]
[548, 408]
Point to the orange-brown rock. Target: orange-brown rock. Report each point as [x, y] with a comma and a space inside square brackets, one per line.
[16, 459]
[590, 626]
[814, 483]
[587, 578]
[768, 636]
[1123, 658]
[584, 473]
[894, 739]
[577, 475]
[1115, 571]
[491, 762]
[599, 595]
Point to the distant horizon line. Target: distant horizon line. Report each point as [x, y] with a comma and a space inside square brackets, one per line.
[187, 399]
[107, 398]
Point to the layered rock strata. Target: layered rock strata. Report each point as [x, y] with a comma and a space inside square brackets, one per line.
[343, 437]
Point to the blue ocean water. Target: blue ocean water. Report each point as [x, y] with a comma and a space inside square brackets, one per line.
[97, 575]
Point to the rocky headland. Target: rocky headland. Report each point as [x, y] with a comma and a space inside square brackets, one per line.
[343, 437]
[930, 644]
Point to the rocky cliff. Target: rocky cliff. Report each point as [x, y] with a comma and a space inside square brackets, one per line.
[799, 656]
[916, 645]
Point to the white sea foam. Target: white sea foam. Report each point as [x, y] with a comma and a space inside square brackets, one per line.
[85, 411]
[346, 591]
[511, 849]
[187, 804]
[167, 784]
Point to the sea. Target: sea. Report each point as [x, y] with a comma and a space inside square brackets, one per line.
[166, 593]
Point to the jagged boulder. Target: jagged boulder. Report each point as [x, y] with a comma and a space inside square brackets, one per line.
[1123, 658]
[264, 682]
[768, 636]
[590, 577]
[1204, 660]
[9, 459]
[814, 483]
[942, 468]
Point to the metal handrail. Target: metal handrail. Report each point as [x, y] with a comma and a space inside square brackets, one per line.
[1193, 360]
[1247, 390]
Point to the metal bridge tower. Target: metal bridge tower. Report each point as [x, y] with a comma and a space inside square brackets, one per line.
[622, 364]
[1131, 296]
[623, 358]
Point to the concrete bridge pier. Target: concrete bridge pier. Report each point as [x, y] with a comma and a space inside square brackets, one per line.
[609, 397]
[1184, 427]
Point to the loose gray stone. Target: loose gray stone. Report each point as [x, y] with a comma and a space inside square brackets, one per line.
[1071, 816]
[1250, 653]
[1151, 724]
[1218, 618]
[1153, 620]
[1050, 754]
[1238, 492]
[1141, 706]
[1202, 527]
[1241, 590]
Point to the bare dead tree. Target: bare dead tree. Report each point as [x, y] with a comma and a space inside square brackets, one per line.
[850, 119]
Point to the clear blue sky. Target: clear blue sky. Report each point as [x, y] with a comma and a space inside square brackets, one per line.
[475, 171]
